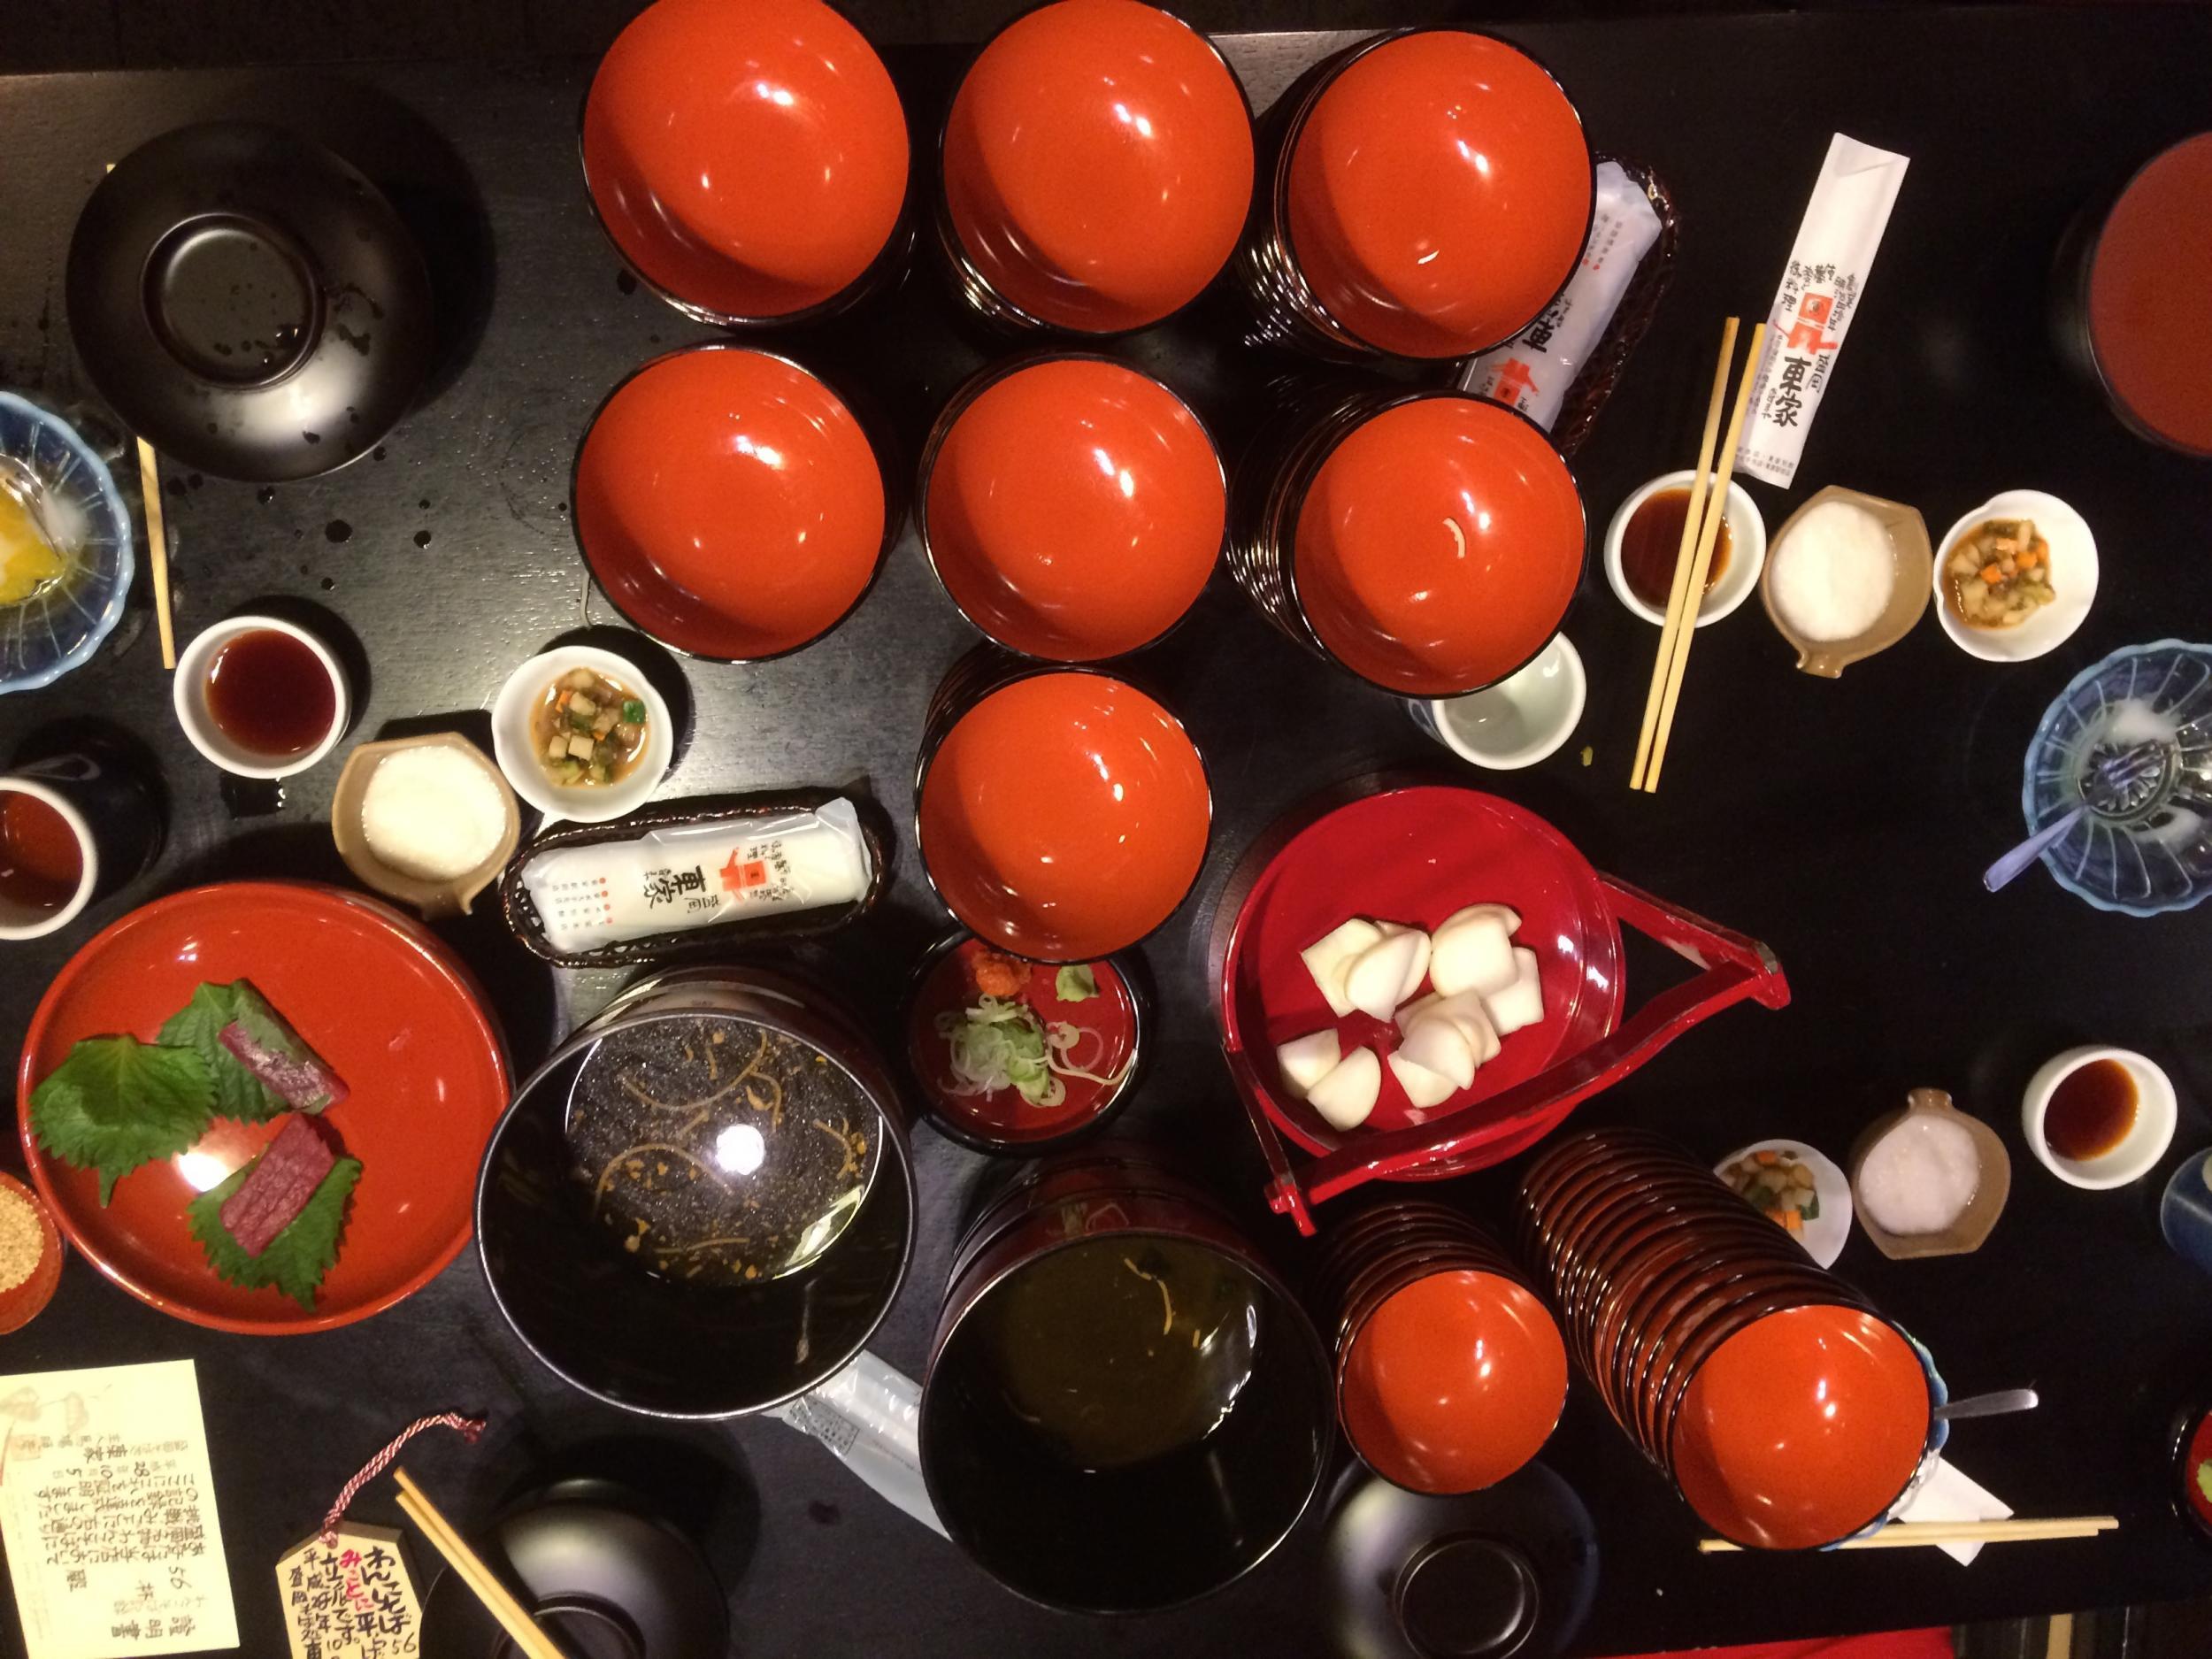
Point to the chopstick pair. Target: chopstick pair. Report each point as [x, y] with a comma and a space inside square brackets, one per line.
[1693, 559]
[1911, 1534]
[514, 1619]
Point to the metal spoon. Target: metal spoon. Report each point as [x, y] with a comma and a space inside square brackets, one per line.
[1988, 1405]
[2114, 775]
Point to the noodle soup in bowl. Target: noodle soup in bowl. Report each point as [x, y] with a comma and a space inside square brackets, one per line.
[702, 1205]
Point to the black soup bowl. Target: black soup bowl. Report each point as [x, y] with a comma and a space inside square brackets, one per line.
[1126, 1409]
[703, 1204]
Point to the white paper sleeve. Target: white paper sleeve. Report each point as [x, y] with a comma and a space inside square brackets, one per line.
[868, 1414]
[1532, 372]
[1821, 289]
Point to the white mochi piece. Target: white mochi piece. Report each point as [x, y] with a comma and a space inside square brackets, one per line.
[1305, 1061]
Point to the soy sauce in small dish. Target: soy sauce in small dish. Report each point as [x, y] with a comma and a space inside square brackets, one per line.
[269, 694]
[2091, 1111]
[41, 863]
[1652, 542]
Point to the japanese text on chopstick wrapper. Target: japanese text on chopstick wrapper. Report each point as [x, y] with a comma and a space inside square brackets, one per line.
[107, 1510]
[1819, 294]
[349, 1599]
[1532, 372]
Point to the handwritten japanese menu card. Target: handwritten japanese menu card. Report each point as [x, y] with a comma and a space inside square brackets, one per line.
[107, 1512]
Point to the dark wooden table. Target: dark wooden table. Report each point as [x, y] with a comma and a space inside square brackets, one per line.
[1843, 823]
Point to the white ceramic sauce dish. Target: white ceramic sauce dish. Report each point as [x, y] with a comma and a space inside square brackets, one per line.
[1746, 552]
[2073, 579]
[517, 751]
[2147, 1137]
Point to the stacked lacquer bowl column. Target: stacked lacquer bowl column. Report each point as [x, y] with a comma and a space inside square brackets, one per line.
[1788, 1412]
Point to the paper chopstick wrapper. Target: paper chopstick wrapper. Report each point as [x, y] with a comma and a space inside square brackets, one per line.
[1949, 1494]
[1532, 373]
[700, 874]
[1821, 289]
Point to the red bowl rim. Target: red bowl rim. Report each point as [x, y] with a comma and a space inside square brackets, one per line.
[1279, 190]
[888, 260]
[949, 244]
[894, 508]
[941, 728]
[1294, 507]
[413, 933]
[962, 400]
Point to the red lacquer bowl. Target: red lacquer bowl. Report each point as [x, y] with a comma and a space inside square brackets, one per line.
[1415, 855]
[1073, 508]
[380, 998]
[1439, 545]
[1801, 1428]
[1454, 1382]
[1108, 1045]
[729, 504]
[2149, 334]
[1063, 816]
[1438, 194]
[1098, 164]
[750, 160]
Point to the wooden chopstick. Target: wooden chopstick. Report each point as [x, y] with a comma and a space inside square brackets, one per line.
[1707, 535]
[1684, 555]
[513, 1618]
[1912, 1534]
[156, 542]
[157, 549]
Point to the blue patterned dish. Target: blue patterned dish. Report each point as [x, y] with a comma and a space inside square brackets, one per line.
[70, 493]
[2151, 850]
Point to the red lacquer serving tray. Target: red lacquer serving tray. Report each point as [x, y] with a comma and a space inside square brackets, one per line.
[391, 1008]
[1415, 853]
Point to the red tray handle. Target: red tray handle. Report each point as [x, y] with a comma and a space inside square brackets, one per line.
[1736, 969]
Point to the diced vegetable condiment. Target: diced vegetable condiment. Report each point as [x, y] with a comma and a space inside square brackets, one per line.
[589, 730]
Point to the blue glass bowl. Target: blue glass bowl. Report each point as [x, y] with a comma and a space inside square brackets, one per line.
[74, 499]
[2152, 850]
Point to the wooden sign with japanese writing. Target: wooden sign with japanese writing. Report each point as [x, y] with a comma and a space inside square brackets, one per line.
[351, 1599]
[107, 1511]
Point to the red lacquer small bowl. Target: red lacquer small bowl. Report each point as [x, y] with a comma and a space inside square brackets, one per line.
[1438, 193]
[1108, 1029]
[1801, 1428]
[1454, 1382]
[729, 504]
[749, 160]
[1063, 816]
[1073, 508]
[1097, 165]
[1438, 546]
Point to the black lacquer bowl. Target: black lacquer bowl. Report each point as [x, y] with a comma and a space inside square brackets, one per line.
[248, 302]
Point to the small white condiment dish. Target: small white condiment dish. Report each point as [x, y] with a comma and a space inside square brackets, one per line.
[2148, 1137]
[434, 899]
[1746, 552]
[1823, 1238]
[1517, 722]
[189, 693]
[517, 750]
[26, 921]
[2073, 578]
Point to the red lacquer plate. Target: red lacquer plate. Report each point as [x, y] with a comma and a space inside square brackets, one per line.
[749, 160]
[1439, 545]
[1073, 509]
[1098, 164]
[380, 998]
[1415, 855]
[1003, 1120]
[1063, 816]
[1439, 194]
[729, 504]
[2193, 1469]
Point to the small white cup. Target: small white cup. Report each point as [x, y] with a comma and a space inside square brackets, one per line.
[189, 691]
[2073, 579]
[1517, 722]
[2148, 1137]
[517, 752]
[1746, 552]
[25, 921]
